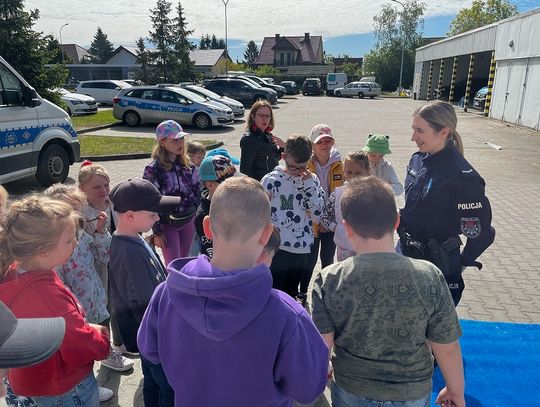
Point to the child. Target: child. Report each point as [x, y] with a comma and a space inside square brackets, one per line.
[222, 334]
[135, 271]
[377, 145]
[95, 183]
[270, 249]
[173, 174]
[385, 312]
[213, 171]
[297, 201]
[356, 165]
[196, 152]
[38, 234]
[326, 163]
[3, 201]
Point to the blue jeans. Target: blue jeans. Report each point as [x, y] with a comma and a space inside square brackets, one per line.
[84, 394]
[157, 391]
[342, 398]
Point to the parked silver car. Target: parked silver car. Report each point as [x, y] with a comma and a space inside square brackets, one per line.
[103, 91]
[153, 104]
[236, 107]
[360, 89]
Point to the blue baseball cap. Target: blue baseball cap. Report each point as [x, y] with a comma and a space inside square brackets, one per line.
[224, 153]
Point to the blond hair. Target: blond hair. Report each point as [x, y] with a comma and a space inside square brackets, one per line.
[65, 193]
[440, 115]
[32, 225]
[194, 147]
[88, 171]
[239, 208]
[4, 196]
[162, 156]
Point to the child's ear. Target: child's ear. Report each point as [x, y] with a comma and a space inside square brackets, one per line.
[398, 221]
[265, 234]
[348, 230]
[283, 155]
[206, 227]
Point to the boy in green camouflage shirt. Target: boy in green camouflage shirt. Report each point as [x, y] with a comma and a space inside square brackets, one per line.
[383, 314]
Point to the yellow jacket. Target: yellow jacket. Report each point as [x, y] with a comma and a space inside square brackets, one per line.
[335, 179]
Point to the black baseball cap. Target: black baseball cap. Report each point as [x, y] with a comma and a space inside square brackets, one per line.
[139, 194]
[28, 341]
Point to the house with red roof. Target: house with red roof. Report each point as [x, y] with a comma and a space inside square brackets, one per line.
[282, 52]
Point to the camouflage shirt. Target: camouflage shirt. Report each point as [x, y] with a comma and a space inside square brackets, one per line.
[383, 308]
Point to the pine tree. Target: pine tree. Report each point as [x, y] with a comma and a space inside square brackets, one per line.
[221, 44]
[214, 44]
[27, 50]
[251, 53]
[143, 58]
[182, 45]
[163, 39]
[202, 43]
[101, 48]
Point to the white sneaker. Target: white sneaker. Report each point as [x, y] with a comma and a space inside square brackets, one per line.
[122, 349]
[117, 362]
[105, 394]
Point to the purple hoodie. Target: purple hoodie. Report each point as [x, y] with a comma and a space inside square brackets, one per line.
[229, 339]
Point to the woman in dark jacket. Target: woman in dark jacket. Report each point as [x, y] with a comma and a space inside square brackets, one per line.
[261, 150]
[444, 198]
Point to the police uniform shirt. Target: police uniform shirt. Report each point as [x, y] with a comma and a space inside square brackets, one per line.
[445, 197]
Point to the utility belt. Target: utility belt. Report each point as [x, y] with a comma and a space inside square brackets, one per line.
[439, 253]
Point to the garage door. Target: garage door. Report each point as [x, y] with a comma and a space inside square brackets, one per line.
[530, 109]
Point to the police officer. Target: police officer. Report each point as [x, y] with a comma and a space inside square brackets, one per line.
[444, 198]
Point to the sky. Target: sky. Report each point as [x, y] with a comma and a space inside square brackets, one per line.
[346, 25]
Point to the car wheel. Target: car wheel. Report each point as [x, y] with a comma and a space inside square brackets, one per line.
[202, 121]
[131, 118]
[360, 95]
[53, 165]
[338, 93]
[304, 93]
[371, 97]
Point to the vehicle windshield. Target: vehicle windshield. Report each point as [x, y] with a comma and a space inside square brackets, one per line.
[191, 95]
[251, 81]
[205, 92]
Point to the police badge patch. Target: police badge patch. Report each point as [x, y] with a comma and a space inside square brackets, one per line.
[471, 227]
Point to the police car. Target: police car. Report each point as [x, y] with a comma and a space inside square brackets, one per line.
[154, 104]
[36, 136]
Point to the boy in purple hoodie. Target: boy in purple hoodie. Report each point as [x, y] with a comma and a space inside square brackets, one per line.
[225, 336]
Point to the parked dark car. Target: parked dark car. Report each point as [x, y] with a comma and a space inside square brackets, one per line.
[479, 100]
[290, 87]
[240, 90]
[312, 86]
[280, 90]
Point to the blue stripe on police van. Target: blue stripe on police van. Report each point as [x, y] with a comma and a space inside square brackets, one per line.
[21, 136]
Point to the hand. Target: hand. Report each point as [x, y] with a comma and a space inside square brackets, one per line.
[160, 241]
[103, 330]
[322, 229]
[101, 222]
[330, 373]
[278, 142]
[447, 398]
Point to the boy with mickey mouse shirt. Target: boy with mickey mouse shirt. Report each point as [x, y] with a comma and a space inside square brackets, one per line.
[297, 200]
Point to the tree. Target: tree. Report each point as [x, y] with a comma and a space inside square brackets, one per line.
[267, 70]
[28, 51]
[143, 58]
[481, 13]
[101, 48]
[163, 39]
[203, 42]
[251, 53]
[352, 70]
[383, 61]
[182, 45]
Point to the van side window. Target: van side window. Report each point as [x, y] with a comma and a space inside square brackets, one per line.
[11, 92]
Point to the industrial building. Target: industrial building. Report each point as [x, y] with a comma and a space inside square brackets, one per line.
[504, 56]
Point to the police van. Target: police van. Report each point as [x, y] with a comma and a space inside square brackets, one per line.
[36, 136]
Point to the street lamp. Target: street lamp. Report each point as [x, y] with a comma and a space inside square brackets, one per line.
[62, 49]
[402, 45]
[225, 2]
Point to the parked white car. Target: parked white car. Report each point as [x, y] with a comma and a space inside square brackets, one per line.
[360, 89]
[103, 91]
[77, 103]
[236, 107]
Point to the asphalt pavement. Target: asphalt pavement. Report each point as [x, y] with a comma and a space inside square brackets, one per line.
[506, 289]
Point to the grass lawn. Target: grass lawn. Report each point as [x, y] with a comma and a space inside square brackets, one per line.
[108, 145]
[93, 120]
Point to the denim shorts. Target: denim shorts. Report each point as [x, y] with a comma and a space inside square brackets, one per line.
[84, 394]
[342, 398]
